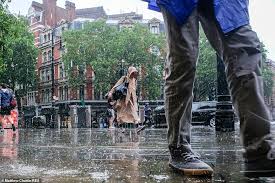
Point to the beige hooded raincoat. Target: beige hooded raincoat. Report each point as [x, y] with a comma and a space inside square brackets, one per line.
[127, 108]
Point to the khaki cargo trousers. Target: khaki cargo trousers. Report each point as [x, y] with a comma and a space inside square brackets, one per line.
[240, 50]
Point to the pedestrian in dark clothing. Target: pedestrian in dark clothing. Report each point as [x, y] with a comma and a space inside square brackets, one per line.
[110, 116]
[226, 25]
[6, 99]
[147, 114]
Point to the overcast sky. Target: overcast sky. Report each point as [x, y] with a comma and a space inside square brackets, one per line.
[261, 14]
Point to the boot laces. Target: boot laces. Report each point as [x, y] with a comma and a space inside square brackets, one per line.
[190, 156]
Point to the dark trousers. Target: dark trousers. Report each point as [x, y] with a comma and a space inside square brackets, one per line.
[240, 50]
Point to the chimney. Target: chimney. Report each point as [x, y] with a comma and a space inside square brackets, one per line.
[50, 12]
[70, 7]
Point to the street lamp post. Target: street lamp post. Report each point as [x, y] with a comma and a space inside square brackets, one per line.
[224, 113]
[82, 75]
[52, 66]
[53, 98]
[121, 68]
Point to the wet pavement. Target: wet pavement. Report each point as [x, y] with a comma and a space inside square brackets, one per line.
[107, 155]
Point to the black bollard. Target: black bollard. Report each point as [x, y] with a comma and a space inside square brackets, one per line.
[224, 112]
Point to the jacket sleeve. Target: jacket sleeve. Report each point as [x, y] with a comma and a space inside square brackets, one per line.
[118, 83]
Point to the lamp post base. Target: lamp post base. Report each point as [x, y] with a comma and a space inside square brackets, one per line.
[225, 114]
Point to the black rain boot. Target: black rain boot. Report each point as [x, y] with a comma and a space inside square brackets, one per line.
[261, 161]
[13, 127]
[1, 129]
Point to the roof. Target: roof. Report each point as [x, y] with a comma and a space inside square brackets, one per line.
[36, 4]
[110, 21]
[93, 13]
[132, 15]
[154, 20]
[83, 19]
[126, 21]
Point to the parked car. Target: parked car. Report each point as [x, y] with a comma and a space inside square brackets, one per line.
[203, 113]
[39, 121]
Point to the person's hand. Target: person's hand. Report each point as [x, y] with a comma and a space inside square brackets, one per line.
[110, 96]
[112, 103]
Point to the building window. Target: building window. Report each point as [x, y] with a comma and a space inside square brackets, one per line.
[41, 39]
[38, 18]
[49, 36]
[49, 55]
[61, 93]
[48, 95]
[45, 38]
[42, 96]
[61, 71]
[44, 59]
[48, 75]
[66, 93]
[154, 29]
[31, 98]
[41, 75]
[45, 76]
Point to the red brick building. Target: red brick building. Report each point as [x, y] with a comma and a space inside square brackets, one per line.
[45, 20]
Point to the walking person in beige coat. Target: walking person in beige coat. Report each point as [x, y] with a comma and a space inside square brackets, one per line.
[127, 107]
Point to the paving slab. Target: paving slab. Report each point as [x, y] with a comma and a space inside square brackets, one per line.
[107, 155]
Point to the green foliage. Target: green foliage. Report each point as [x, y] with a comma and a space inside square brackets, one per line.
[3, 4]
[206, 73]
[18, 53]
[268, 81]
[267, 74]
[104, 47]
[4, 30]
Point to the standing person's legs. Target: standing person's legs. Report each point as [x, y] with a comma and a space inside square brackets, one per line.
[8, 118]
[243, 59]
[1, 123]
[180, 73]
[242, 55]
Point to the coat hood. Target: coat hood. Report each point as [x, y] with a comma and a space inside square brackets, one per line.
[131, 70]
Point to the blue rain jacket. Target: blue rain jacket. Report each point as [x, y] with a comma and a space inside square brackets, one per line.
[230, 14]
[5, 97]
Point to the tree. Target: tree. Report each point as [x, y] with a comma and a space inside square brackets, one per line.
[90, 45]
[206, 73]
[104, 47]
[4, 31]
[267, 73]
[18, 56]
[139, 47]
